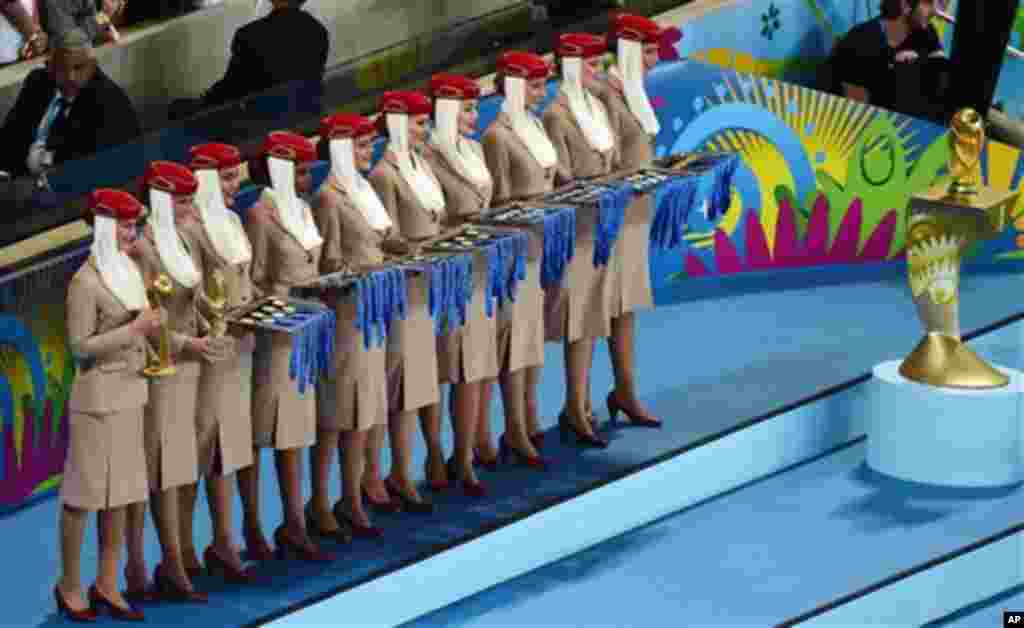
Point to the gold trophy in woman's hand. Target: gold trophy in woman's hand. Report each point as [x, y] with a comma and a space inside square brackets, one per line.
[160, 364]
[217, 300]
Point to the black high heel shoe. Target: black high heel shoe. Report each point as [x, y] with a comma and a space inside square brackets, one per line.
[408, 504]
[614, 407]
[85, 615]
[227, 572]
[476, 490]
[341, 535]
[537, 440]
[170, 591]
[287, 548]
[99, 602]
[508, 454]
[481, 463]
[389, 507]
[568, 430]
[141, 596]
[358, 530]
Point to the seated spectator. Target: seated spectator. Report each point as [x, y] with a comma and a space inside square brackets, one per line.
[893, 61]
[20, 37]
[287, 45]
[93, 17]
[68, 110]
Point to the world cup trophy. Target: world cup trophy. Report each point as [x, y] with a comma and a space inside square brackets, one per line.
[160, 364]
[942, 222]
[217, 301]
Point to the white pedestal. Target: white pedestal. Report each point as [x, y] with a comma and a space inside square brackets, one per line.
[945, 436]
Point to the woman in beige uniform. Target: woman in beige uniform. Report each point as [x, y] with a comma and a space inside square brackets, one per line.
[285, 252]
[352, 407]
[580, 313]
[413, 198]
[468, 356]
[635, 125]
[522, 162]
[171, 456]
[223, 414]
[108, 318]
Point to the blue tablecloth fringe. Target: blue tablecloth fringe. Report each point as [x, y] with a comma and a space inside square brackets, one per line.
[559, 245]
[611, 214]
[719, 180]
[451, 288]
[380, 299]
[506, 267]
[313, 349]
[673, 203]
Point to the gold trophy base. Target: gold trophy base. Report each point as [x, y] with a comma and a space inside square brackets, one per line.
[154, 372]
[945, 361]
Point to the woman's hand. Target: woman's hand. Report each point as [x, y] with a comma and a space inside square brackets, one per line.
[35, 46]
[906, 56]
[148, 322]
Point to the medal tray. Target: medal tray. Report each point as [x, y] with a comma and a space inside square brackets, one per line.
[693, 163]
[647, 180]
[519, 215]
[463, 241]
[331, 281]
[578, 194]
[294, 314]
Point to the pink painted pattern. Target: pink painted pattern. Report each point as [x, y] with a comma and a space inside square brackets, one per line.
[791, 251]
[38, 463]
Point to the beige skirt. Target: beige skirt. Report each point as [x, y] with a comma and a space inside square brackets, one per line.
[521, 325]
[412, 353]
[629, 277]
[224, 413]
[282, 417]
[581, 307]
[354, 397]
[170, 429]
[106, 462]
[470, 353]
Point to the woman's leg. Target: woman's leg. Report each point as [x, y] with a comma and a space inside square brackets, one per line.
[484, 444]
[249, 492]
[354, 446]
[430, 424]
[72, 534]
[218, 496]
[321, 458]
[513, 396]
[622, 348]
[111, 526]
[135, 546]
[402, 426]
[187, 497]
[465, 412]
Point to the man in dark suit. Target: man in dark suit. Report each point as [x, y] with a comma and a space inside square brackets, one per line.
[67, 111]
[287, 45]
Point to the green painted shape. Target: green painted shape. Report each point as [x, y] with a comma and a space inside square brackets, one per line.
[878, 175]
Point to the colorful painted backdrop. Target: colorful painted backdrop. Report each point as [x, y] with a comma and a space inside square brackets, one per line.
[820, 197]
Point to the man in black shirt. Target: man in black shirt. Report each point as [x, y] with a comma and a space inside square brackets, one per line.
[893, 61]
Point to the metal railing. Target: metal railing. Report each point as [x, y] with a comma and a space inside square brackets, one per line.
[949, 19]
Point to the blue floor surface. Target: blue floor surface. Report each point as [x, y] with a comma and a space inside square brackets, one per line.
[985, 614]
[704, 366]
[754, 558]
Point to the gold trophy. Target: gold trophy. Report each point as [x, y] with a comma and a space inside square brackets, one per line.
[217, 301]
[160, 364]
[942, 222]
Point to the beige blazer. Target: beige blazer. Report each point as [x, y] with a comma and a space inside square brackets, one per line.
[470, 353]
[635, 146]
[630, 288]
[170, 430]
[411, 219]
[355, 398]
[576, 158]
[110, 380]
[282, 418]
[517, 174]
[224, 411]
[349, 240]
[462, 198]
